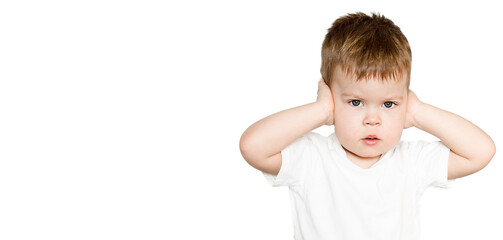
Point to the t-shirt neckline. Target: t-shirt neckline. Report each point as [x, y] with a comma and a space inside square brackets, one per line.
[335, 145]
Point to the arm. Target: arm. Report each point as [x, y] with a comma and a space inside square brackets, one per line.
[471, 148]
[262, 142]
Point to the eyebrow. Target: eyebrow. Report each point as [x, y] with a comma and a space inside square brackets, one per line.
[395, 98]
[350, 95]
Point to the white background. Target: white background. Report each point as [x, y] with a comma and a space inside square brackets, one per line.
[121, 119]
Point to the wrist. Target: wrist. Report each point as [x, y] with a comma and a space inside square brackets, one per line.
[414, 115]
[326, 112]
[414, 108]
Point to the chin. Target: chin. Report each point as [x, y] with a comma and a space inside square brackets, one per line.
[370, 154]
[373, 152]
[364, 153]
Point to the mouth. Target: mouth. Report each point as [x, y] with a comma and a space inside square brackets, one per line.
[371, 140]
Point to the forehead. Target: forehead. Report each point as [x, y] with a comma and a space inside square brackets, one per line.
[347, 85]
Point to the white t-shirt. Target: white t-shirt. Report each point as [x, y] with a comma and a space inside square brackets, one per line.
[332, 198]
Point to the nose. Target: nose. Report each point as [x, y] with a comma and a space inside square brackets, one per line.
[372, 118]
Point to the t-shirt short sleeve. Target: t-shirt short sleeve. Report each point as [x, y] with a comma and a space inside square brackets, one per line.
[431, 164]
[295, 159]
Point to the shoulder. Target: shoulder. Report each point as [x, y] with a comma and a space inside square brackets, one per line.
[417, 147]
[424, 161]
[420, 154]
[309, 145]
[412, 153]
[315, 137]
[311, 139]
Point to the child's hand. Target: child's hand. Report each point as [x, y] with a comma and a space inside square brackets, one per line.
[413, 104]
[326, 100]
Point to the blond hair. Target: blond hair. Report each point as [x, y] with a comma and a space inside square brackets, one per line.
[365, 47]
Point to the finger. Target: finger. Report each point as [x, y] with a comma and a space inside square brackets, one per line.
[322, 83]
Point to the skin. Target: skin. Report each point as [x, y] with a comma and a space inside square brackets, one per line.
[359, 109]
[368, 108]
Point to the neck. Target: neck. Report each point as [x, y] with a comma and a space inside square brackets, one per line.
[363, 162]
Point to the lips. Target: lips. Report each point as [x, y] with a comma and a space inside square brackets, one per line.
[371, 140]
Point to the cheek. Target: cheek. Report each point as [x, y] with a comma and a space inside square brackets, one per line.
[344, 117]
[394, 126]
[346, 114]
[394, 135]
[347, 123]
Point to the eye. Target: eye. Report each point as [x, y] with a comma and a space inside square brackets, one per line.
[389, 104]
[356, 103]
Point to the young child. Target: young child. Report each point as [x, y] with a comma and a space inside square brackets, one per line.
[362, 182]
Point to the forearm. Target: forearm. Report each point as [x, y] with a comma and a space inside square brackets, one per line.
[458, 134]
[272, 134]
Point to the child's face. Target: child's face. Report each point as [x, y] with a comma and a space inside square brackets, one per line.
[369, 115]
